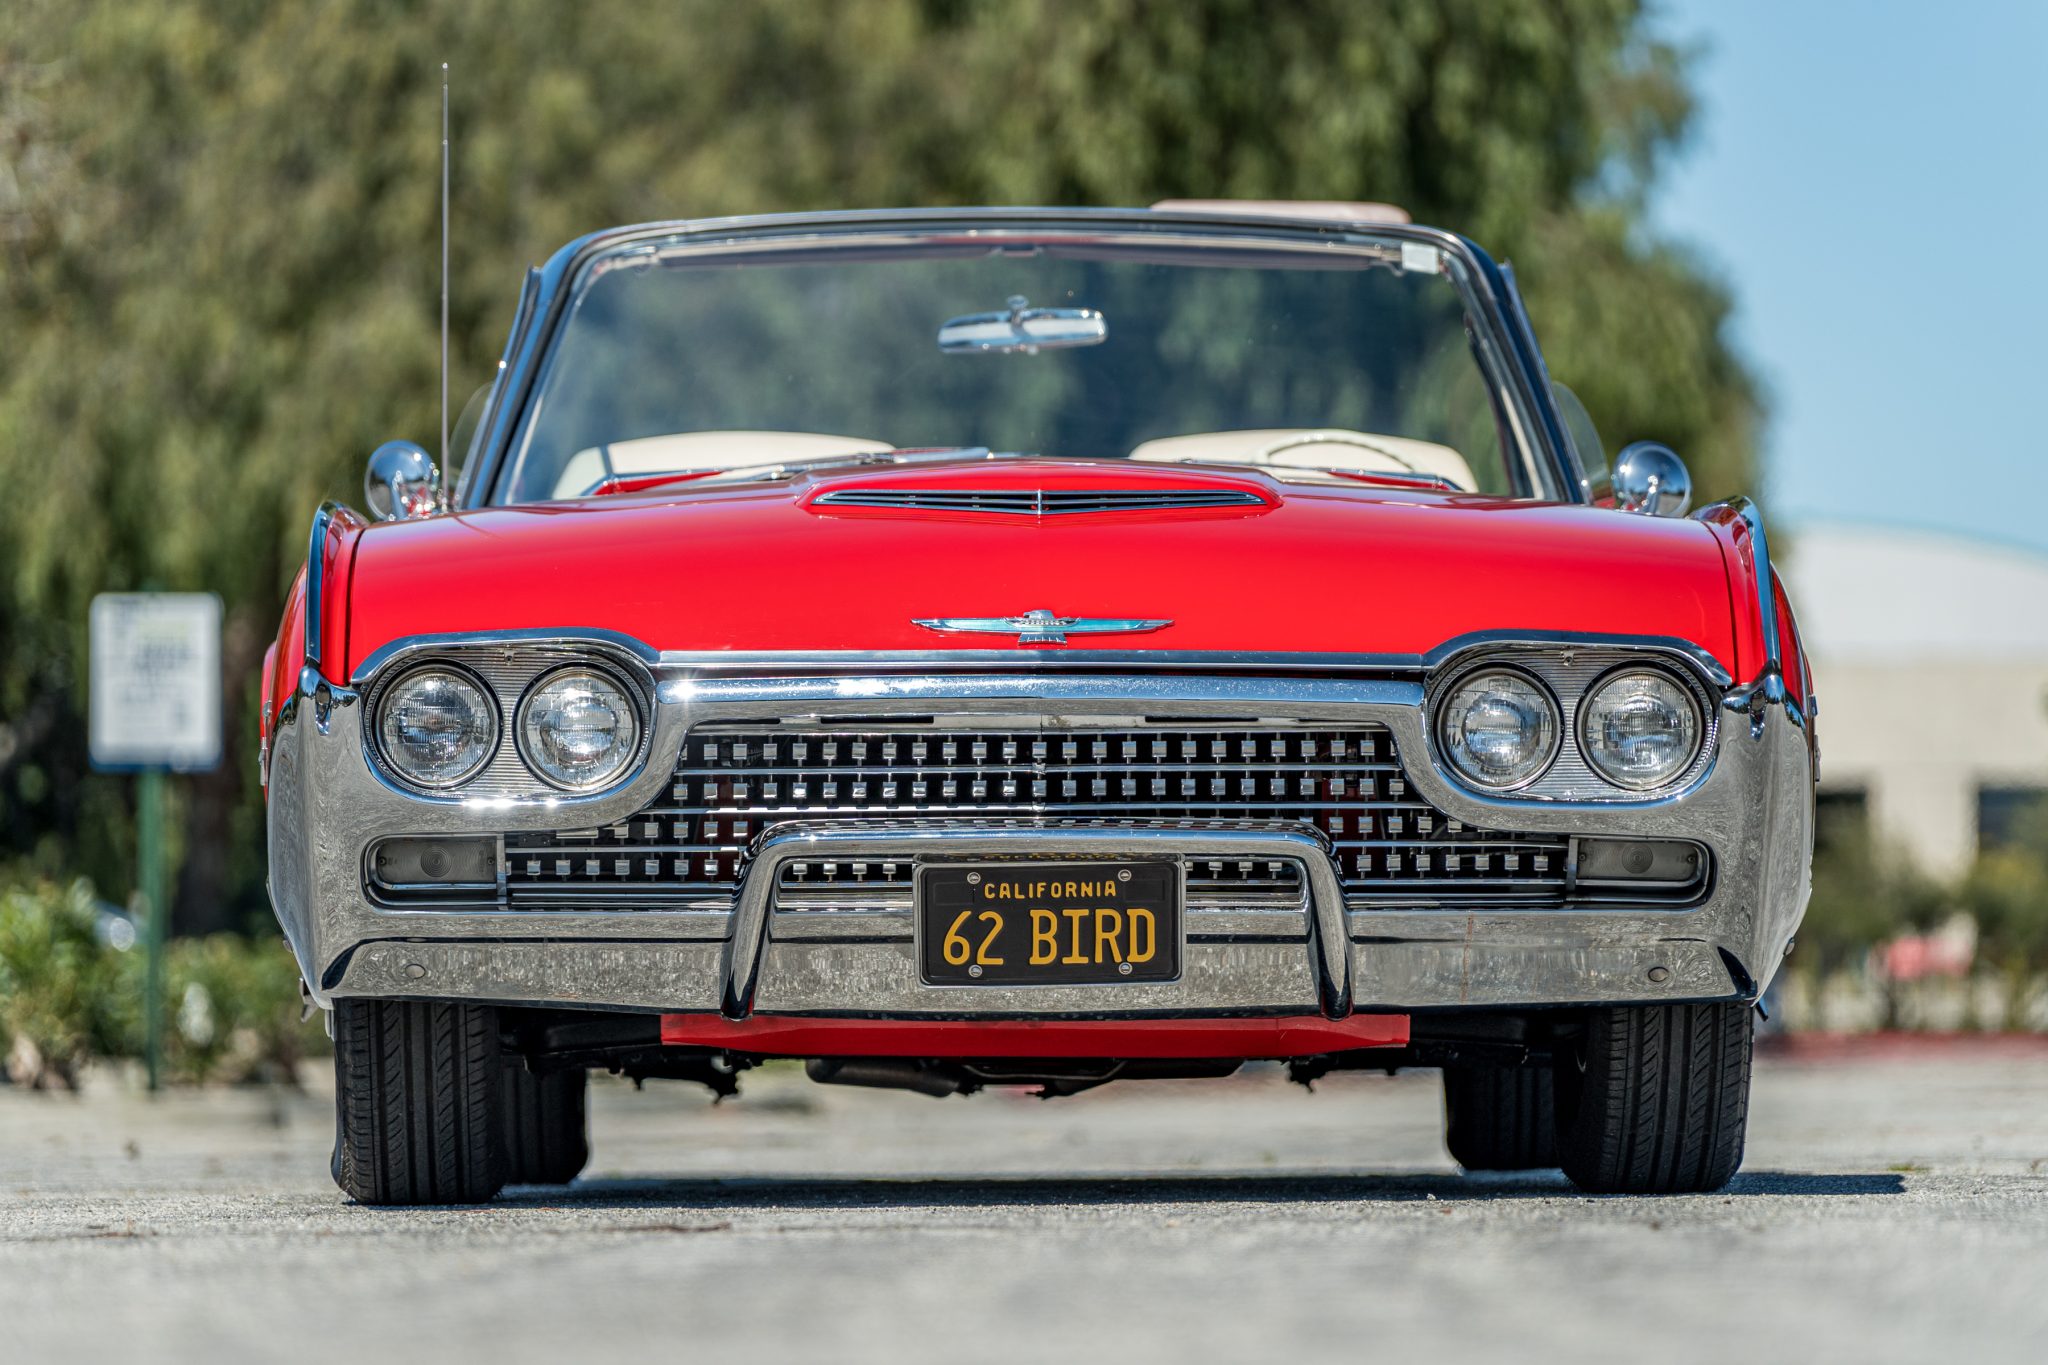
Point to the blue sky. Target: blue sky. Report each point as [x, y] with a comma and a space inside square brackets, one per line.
[1872, 180]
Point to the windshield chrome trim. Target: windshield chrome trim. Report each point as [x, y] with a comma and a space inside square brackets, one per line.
[693, 663]
[1540, 439]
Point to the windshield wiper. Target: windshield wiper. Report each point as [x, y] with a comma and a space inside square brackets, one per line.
[1401, 479]
[782, 469]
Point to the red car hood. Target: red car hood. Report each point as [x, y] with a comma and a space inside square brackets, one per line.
[1343, 568]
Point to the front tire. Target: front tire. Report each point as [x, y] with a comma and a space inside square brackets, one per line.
[1500, 1118]
[546, 1125]
[418, 1098]
[1655, 1099]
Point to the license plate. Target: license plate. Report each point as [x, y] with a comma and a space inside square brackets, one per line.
[1048, 923]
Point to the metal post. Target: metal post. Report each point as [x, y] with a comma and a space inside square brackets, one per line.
[156, 911]
[447, 470]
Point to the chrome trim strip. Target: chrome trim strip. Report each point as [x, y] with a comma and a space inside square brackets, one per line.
[316, 570]
[692, 663]
[1768, 688]
[1523, 330]
[384, 656]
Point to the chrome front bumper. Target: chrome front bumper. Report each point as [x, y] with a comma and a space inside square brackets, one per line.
[1752, 808]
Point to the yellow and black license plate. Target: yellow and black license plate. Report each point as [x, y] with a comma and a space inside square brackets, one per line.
[1047, 923]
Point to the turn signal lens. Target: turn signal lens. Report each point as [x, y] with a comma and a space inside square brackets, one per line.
[578, 729]
[436, 727]
[1499, 729]
[1640, 729]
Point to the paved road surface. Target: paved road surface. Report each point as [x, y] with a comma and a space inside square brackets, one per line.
[1892, 1209]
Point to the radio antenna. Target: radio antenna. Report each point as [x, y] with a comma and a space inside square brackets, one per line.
[447, 471]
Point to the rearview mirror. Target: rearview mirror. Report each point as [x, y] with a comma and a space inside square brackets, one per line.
[1024, 328]
[1650, 478]
[403, 482]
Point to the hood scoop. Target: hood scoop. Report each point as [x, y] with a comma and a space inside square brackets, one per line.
[1040, 502]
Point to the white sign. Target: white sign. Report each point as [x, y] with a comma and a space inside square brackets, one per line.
[156, 680]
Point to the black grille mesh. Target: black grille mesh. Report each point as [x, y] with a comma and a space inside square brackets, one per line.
[732, 783]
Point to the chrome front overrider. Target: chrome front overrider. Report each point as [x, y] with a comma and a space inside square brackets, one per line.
[1751, 806]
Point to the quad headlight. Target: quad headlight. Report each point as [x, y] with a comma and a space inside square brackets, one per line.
[437, 727]
[1498, 728]
[1640, 728]
[578, 728]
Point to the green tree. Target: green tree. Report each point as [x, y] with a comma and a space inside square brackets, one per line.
[217, 244]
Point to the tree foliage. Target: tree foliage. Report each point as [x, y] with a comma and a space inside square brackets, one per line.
[218, 232]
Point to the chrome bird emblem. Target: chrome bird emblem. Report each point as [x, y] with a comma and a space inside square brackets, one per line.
[1041, 627]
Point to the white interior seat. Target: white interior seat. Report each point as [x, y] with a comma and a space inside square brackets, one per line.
[684, 451]
[1313, 448]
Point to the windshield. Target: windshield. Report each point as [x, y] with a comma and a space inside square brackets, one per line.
[678, 362]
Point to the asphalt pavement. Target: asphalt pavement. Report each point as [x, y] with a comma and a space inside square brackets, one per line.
[1893, 1208]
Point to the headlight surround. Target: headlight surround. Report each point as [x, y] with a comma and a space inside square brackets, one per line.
[1499, 728]
[1640, 728]
[437, 727]
[579, 728]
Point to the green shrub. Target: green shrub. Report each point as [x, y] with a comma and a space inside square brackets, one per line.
[233, 1011]
[231, 1004]
[64, 995]
[2006, 892]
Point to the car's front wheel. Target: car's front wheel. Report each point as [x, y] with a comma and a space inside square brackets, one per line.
[419, 1102]
[1500, 1118]
[1654, 1099]
[546, 1129]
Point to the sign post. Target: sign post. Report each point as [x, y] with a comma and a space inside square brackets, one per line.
[155, 679]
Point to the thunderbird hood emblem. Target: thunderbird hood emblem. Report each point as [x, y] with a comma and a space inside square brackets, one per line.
[1041, 627]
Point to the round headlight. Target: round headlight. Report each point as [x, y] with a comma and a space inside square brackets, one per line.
[1640, 729]
[1500, 729]
[578, 728]
[436, 727]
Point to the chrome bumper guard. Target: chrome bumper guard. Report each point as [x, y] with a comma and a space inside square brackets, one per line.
[1751, 808]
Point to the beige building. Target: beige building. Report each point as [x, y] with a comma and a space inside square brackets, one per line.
[1930, 659]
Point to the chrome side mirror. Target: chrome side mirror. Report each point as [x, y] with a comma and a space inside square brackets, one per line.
[403, 482]
[1650, 478]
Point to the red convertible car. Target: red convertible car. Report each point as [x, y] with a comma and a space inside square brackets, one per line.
[1036, 647]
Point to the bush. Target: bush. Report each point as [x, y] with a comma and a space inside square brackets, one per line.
[64, 995]
[67, 996]
[234, 1011]
[2006, 892]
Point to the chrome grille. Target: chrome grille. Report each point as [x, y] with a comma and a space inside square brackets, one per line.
[733, 781]
[1040, 502]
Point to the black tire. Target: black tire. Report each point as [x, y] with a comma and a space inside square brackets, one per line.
[1500, 1118]
[546, 1135]
[418, 1098]
[1655, 1099]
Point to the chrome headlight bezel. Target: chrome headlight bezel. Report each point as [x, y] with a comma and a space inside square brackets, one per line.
[391, 762]
[1445, 712]
[1686, 694]
[635, 709]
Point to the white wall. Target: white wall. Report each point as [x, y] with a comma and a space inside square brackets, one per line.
[1931, 665]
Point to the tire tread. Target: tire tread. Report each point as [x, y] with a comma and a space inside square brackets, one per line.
[1663, 1103]
[417, 1101]
[546, 1139]
[1500, 1118]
